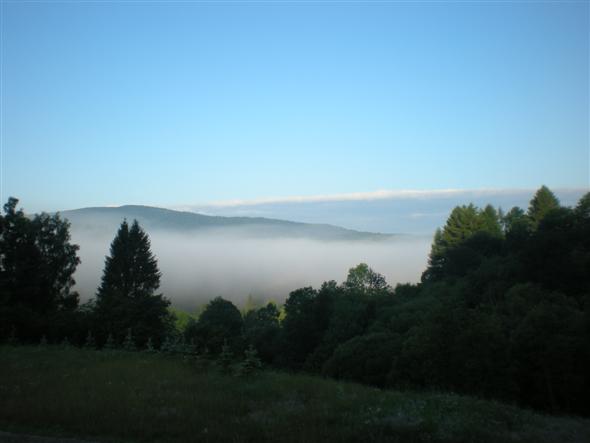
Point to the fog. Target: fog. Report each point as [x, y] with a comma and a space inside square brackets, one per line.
[199, 266]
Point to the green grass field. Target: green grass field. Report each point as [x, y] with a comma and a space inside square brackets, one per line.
[119, 396]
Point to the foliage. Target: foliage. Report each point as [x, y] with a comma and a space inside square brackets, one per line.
[225, 358]
[262, 330]
[90, 343]
[251, 362]
[181, 318]
[502, 311]
[362, 279]
[220, 322]
[541, 204]
[129, 342]
[37, 263]
[110, 343]
[126, 297]
[365, 358]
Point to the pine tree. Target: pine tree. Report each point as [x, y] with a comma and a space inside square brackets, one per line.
[127, 295]
[543, 202]
[129, 343]
[110, 343]
[491, 221]
[225, 358]
[251, 362]
[90, 342]
[149, 347]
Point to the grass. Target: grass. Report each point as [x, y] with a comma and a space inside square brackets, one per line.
[120, 396]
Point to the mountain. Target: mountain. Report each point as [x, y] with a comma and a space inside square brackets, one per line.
[105, 220]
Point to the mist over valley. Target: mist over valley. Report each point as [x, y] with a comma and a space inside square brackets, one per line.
[202, 257]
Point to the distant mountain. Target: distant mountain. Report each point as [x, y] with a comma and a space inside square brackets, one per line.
[105, 220]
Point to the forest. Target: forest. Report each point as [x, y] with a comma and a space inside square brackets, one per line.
[502, 310]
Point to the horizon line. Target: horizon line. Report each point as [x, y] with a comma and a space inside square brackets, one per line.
[381, 194]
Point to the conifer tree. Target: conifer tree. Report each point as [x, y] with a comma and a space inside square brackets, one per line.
[543, 202]
[149, 346]
[127, 295]
[491, 221]
[110, 343]
[225, 358]
[251, 361]
[129, 343]
[90, 342]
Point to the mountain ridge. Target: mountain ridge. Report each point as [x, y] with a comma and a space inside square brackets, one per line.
[152, 217]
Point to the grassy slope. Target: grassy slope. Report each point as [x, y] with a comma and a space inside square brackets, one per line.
[144, 397]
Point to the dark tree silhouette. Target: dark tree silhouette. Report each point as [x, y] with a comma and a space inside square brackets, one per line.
[364, 280]
[126, 298]
[543, 202]
[220, 323]
[37, 262]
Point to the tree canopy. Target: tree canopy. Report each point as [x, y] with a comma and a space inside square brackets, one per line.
[37, 263]
[543, 201]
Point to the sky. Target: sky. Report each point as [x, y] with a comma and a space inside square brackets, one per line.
[185, 103]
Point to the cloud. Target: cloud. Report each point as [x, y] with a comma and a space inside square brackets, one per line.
[383, 194]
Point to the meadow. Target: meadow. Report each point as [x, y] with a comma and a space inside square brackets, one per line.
[149, 397]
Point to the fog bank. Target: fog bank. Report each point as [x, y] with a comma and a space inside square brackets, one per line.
[199, 266]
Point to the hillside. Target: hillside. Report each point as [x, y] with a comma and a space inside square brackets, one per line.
[106, 219]
[122, 396]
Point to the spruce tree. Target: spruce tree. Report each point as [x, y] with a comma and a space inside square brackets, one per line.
[491, 221]
[543, 202]
[90, 342]
[226, 358]
[110, 343]
[129, 343]
[149, 346]
[251, 362]
[127, 295]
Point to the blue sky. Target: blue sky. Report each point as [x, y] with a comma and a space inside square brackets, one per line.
[184, 103]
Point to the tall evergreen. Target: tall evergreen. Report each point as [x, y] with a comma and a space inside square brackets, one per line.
[491, 221]
[127, 295]
[543, 202]
[463, 222]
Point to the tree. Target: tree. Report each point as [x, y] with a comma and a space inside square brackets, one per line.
[251, 362]
[364, 280]
[583, 207]
[543, 201]
[463, 222]
[364, 358]
[491, 221]
[300, 333]
[37, 263]
[261, 329]
[126, 297]
[220, 322]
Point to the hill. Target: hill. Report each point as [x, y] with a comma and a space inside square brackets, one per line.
[101, 219]
[124, 396]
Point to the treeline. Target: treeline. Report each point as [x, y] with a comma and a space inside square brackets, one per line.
[502, 311]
